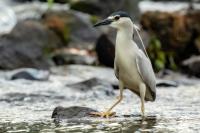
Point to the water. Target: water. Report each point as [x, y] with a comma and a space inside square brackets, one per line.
[26, 106]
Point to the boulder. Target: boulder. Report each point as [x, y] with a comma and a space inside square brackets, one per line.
[192, 65]
[73, 27]
[26, 46]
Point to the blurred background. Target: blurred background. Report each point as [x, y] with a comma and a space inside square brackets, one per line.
[41, 34]
[51, 55]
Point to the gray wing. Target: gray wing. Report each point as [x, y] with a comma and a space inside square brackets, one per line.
[146, 72]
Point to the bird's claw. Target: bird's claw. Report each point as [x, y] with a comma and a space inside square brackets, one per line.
[103, 114]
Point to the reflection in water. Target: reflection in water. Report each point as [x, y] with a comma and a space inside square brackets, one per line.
[142, 125]
[129, 124]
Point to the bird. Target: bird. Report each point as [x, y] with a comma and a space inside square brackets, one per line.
[132, 66]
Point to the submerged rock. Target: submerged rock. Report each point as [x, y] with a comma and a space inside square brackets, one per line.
[29, 74]
[98, 86]
[60, 113]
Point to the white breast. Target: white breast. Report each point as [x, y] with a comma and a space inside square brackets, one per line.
[125, 61]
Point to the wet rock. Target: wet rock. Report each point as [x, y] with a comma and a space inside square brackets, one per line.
[166, 83]
[105, 50]
[98, 86]
[81, 73]
[192, 65]
[27, 45]
[74, 27]
[29, 74]
[178, 78]
[60, 113]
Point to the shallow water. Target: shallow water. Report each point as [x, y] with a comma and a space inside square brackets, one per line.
[26, 106]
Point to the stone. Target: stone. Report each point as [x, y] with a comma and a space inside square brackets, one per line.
[98, 86]
[74, 27]
[166, 83]
[83, 73]
[60, 113]
[192, 65]
[28, 74]
[27, 46]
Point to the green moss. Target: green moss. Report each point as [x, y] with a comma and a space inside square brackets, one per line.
[50, 3]
[94, 19]
[160, 59]
[66, 34]
[157, 56]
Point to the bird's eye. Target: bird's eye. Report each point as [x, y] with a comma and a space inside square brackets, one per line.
[117, 18]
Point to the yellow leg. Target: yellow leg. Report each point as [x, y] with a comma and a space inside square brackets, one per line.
[142, 96]
[108, 113]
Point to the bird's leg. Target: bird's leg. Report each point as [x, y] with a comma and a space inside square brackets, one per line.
[142, 96]
[108, 112]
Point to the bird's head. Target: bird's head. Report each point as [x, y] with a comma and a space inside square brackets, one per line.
[117, 20]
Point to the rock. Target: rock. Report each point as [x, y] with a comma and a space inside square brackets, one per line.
[60, 113]
[176, 33]
[73, 56]
[81, 73]
[192, 65]
[29, 74]
[95, 84]
[166, 83]
[105, 50]
[176, 77]
[27, 45]
[74, 27]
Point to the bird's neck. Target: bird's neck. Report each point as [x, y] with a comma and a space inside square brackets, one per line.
[124, 37]
[125, 32]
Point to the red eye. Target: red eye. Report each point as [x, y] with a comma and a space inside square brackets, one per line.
[117, 18]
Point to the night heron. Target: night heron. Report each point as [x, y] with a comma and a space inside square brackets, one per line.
[132, 66]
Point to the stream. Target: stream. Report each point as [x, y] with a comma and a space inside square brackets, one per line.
[27, 106]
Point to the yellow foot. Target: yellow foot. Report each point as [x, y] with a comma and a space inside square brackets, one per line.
[103, 114]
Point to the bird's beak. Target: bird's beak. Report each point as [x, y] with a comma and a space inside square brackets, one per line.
[104, 22]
